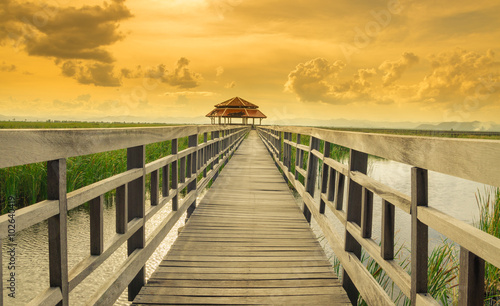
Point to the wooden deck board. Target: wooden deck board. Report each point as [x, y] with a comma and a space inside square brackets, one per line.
[246, 243]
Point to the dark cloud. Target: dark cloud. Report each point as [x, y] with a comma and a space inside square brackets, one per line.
[68, 68]
[84, 98]
[77, 36]
[393, 70]
[181, 76]
[7, 68]
[98, 74]
[65, 33]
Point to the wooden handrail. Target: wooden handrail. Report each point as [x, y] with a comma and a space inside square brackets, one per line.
[473, 159]
[54, 146]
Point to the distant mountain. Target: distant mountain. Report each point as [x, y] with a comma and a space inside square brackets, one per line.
[340, 122]
[173, 120]
[345, 123]
[462, 126]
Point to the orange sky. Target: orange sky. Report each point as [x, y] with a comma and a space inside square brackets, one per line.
[388, 60]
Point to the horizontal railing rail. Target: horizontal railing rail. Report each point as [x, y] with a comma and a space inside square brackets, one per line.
[190, 169]
[473, 159]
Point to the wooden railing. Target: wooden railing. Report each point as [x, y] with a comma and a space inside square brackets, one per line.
[185, 168]
[476, 160]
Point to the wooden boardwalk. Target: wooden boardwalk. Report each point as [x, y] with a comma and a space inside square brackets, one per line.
[246, 243]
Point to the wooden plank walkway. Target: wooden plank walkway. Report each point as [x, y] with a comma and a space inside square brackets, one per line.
[246, 243]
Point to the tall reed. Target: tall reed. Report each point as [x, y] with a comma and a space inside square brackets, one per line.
[28, 183]
[489, 221]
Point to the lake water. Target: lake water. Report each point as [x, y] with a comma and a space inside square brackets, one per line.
[450, 194]
[32, 255]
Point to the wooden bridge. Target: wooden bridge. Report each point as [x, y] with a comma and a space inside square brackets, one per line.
[247, 242]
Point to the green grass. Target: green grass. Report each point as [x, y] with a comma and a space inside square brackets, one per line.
[71, 125]
[28, 183]
[489, 222]
[425, 133]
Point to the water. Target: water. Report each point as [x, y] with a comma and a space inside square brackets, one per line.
[32, 276]
[452, 195]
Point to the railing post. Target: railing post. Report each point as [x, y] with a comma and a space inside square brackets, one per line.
[205, 154]
[121, 209]
[155, 187]
[366, 213]
[388, 224]
[216, 153]
[298, 154]
[419, 234]
[58, 228]
[136, 209]
[165, 182]
[358, 161]
[96, 226]
[471, 286]
[324, 177]
[175, 175]
[312, 172]
[280, 151]
[191, 171]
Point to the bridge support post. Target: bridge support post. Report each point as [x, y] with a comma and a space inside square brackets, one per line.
[191, 172]
[216, 151]
[358, 161]
[205, 154]
[324, 177]
[298, 155]
[175, 175]
[419, 234]
[58, 230]
[312, 172]
[136, 209]
[471, 287]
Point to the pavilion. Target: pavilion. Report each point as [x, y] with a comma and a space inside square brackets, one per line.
[235, 108]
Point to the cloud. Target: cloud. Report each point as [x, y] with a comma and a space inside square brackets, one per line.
[98, 74]
[230, 85]
[219, 71]
[65, 33]
[190, 93]
[68, 34]
[310, 80]
[7, 68]
[393, 70]
[460, 74]
[222, 7]
[318, 81]
[180, 77]
[84, 98]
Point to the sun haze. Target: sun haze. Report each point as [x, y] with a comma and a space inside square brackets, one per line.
[300, 61]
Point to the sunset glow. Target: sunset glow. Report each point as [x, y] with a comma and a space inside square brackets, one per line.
[151, 60]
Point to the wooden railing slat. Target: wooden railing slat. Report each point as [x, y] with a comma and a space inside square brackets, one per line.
[30, 215]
